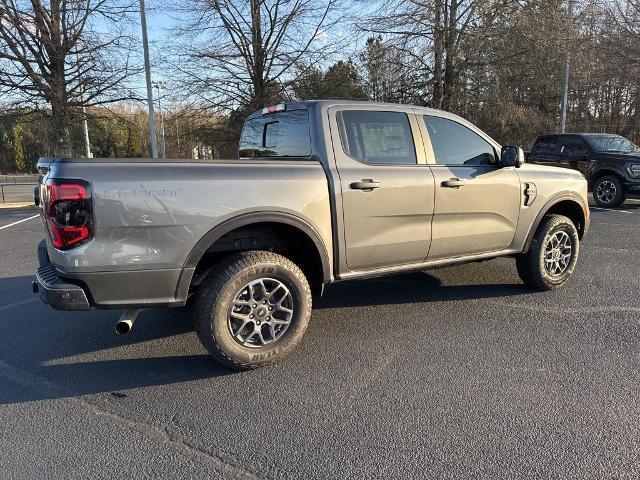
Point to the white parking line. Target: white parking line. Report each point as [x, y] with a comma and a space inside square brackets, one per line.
[19, 221]
[610, 209]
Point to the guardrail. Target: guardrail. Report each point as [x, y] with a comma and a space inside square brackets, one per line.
[16, 192]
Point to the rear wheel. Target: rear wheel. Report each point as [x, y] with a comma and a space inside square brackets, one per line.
[608, 191]
[252, 309]
[552, 255]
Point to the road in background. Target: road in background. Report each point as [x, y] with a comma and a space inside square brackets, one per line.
[461, 372]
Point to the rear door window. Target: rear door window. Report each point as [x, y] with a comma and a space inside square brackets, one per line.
[377, 138]
[276, 135]
[545, 145]
[573, 145]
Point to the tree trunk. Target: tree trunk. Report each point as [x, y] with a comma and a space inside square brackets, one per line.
[449, 68]
[259, 82]
[438, 51]
[58, 87]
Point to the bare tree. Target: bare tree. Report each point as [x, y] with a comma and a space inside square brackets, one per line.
[431, 33]
[242, 55]
[64, 54]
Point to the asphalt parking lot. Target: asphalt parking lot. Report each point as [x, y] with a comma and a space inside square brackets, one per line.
[456, 373]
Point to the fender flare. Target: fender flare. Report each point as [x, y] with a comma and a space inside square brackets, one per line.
[550, 204]
[605, 170]
[213, 235]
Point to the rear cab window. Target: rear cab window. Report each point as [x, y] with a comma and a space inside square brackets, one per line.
[276, 135]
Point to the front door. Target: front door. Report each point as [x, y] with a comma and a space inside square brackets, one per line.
[477, 203]
[386, 187]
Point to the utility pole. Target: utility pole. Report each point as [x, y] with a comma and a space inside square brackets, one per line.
[565, 85]
[147, 71]
[163, 151]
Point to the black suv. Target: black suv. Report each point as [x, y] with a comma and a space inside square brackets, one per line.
[610, 163]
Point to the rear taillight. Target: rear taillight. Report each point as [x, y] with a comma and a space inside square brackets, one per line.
[68, 212]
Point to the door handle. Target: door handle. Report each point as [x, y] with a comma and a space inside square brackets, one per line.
[365, 184]
[453, 183]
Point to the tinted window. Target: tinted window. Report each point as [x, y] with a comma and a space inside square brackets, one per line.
[545, 145]
[283, 134]
[377, 137]
[455, 144]
[611, 143]
[573, 145]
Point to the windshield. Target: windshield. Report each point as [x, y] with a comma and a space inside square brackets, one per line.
[611, 143]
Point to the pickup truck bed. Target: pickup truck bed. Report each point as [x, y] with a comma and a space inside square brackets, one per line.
[147, 232]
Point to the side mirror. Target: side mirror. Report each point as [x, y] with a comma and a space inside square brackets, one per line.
[511, 157]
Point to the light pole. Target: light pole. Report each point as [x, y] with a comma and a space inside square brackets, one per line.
[147, 71]
[85, 128]
[161, 84]
[565, 84]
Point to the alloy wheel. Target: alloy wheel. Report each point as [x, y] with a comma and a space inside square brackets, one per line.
[260, 313]
[606, 191]
[557, 253]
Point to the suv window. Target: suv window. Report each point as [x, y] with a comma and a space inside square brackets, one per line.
[377, 137]
[282, 134]
[545, 145]
[573, 145]
[455, 144]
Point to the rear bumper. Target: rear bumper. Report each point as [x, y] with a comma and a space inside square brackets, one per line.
[109, 290]
[53, 290]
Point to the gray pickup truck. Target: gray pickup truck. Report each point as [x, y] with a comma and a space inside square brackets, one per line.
[322, 191]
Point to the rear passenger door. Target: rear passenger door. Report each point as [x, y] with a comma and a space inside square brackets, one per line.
[387, 190]
[546, 151]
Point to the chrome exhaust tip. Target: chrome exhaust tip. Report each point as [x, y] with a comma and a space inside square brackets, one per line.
[123, 327]
[125, 323]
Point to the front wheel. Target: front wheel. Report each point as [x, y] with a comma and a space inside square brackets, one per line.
[552, 256]
[608, 191]
[253, 309]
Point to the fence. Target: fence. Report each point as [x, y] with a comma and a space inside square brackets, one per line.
[17, 188]
[16, 192]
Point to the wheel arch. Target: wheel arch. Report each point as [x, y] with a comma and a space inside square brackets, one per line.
[603, 172]
[257, 219]
[570, 206]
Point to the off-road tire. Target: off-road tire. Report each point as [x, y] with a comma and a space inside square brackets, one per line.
[214, 298]
[619, 197]
[531, 265]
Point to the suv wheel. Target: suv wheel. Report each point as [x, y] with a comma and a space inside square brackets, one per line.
[552, 255]
[252, 309]
[608, 192]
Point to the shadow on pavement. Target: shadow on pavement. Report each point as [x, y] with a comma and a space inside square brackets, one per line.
[41, 343]
[410, 288]
[35, 341]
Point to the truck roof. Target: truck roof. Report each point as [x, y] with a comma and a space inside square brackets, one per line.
[301, 104]
[581, 134]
